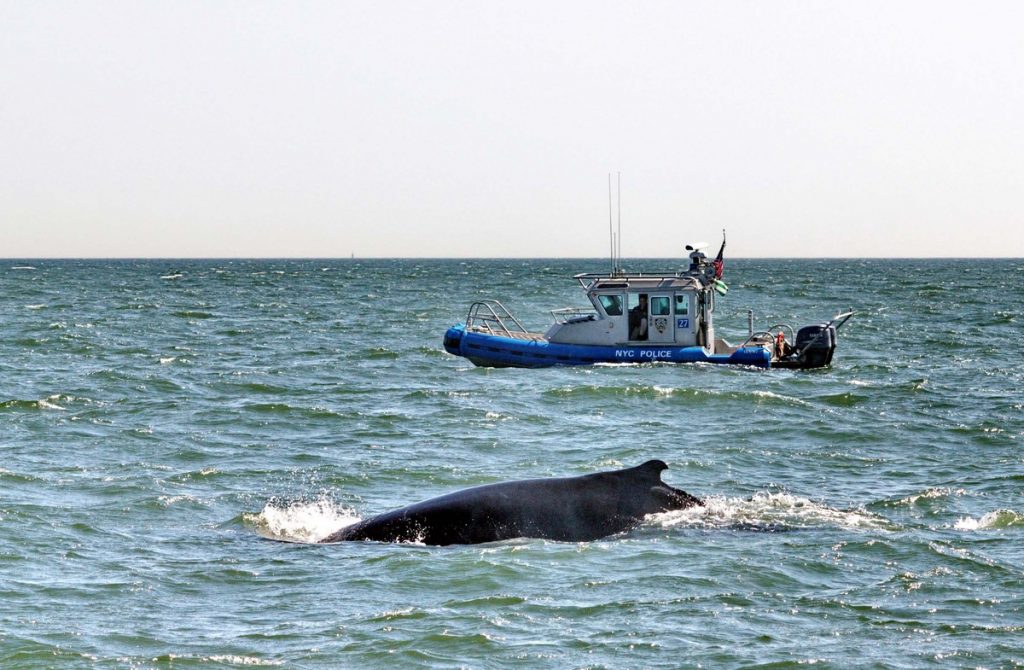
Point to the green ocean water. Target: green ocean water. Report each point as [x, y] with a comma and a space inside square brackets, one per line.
[159, 420]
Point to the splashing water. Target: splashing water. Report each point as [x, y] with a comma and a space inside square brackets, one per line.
[768, 511]
[1001, 518]
[301, 521]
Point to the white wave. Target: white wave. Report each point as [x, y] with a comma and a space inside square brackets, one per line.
[168, 501]
[304, 521]
[47, 404]
[228, 659]
[1001, 518]
[234, 659]
[930, 494]
[779, 396]
[779, 511]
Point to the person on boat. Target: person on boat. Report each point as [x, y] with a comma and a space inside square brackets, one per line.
[638, 319]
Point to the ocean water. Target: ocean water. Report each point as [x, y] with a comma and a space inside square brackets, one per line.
[160, 420]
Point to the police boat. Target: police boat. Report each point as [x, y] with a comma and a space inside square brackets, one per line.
[639, 317]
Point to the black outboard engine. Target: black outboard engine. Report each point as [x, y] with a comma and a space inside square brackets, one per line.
[815, 345]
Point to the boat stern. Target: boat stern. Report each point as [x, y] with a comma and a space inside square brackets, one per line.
[813, 346]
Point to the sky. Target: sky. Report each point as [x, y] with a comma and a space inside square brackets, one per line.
[489, 129]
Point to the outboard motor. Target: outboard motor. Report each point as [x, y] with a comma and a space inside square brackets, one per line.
[815, 345]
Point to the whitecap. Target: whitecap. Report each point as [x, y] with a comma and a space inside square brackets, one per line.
[1001, 518]
[227, 659]
[46, 404]
[233, 659]
[778, 396]
[168, 501]
[931, 494]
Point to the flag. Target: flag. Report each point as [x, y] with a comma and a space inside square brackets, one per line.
[719, 263]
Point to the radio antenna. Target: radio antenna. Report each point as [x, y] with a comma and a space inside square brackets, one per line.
[615, 238]
[611, 234]
[620, 219]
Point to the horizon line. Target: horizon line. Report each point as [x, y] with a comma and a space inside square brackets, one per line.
[469, 258]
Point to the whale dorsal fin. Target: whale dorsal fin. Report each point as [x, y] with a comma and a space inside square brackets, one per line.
[652, 469]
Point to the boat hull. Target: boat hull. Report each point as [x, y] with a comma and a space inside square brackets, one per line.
[490, 350]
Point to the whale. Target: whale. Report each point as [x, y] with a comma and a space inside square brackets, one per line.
[564, 509]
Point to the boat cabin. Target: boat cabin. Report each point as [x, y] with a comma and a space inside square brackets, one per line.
[642, 308]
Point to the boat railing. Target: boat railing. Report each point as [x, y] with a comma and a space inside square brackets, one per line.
[666, 274]
[573, 314]
[588, 279]
[492, 317]
[838, 320]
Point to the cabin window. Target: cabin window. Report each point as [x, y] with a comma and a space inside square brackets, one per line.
[612, 304]
[660, 306]
[682, 305]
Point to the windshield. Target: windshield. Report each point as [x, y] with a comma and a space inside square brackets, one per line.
[612, 304]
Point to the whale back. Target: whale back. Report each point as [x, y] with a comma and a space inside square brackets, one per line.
[568, 509]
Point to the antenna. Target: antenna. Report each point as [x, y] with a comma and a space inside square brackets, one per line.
[615, 238]
[611, 235]
[620, 219]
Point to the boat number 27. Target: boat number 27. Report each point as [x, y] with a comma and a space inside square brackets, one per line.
[682, 323]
